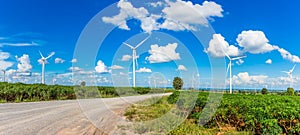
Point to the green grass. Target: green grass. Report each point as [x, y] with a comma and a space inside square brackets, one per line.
[146, 112]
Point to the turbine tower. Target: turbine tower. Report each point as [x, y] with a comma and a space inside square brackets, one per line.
[290, 74]
[44, 61]
[134, 57]
[230, 69]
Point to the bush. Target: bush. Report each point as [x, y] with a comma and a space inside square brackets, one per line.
[177, 83]
[264, 91]
[290, 91]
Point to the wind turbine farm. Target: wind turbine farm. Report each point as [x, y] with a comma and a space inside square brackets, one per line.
[149, 67]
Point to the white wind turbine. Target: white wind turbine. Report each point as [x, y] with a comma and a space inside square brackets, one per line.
[134, 57]
[44, 61]
[290, 74]
[230, 69]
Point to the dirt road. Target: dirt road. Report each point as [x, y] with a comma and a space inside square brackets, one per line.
[84, 116]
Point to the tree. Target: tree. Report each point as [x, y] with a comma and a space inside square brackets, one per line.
[83, 83]
[177, 83]
[290, 91]
[264, 91]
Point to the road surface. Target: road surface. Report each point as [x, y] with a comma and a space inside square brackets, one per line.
[84, 116]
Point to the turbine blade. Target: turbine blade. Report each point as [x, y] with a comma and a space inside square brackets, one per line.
[293, 68]
[227, 69]
[51, 54]
[128, 45]
[142, 42]
[136, 63]
[226, 54]
[238, 58]
[41, 54]
[285, 72]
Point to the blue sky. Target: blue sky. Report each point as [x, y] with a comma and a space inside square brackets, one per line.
[57, 25]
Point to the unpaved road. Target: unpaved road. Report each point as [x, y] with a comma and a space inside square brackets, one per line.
[84, 116]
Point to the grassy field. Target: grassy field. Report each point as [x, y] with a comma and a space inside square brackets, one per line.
[236, 114]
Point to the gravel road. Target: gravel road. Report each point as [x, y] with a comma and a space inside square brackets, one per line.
[84, 116]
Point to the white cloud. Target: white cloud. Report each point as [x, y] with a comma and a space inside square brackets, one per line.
[245, 78]
[10, 72]
[254, 42]
[128, 11]
[75, 69]
[144, 70]
[115, 67]
[59, 60]
[181, 15]
[3, 63]
[74, 60]
[126, 57]
[19, 44]
[101, 67]
[181, 68]
[24, 63]
[178, 15]
[288, 56]
[156, 4]
[239, 62]
[269, 61]
[218, 45]
[160, 54]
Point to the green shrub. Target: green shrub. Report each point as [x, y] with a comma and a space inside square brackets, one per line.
[264, 91]
[290, 91]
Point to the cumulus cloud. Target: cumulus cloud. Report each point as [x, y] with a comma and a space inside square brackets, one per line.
[254, 42]
[161, 54]
[128, 11]
[74, 60]
[181, 15]
[3, 63]
[218, 45]
[288, 56]
[24, 63]
[245, 78]
[115, 67]
[181, 68]
[101, 67]
[144, 70]
[126, 57]
[177, 15]
[269, 61]
[59, 60]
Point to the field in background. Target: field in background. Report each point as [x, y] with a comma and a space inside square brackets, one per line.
[19, 92]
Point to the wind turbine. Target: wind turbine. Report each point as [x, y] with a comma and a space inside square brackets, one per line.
[230, 69]
[44, 61]
[134, 57]
[290, 74]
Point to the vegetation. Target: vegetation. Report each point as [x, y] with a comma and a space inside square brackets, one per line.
[290, 91]
[236, 114]
[20, 92]
[264, 91]
[177, 83]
